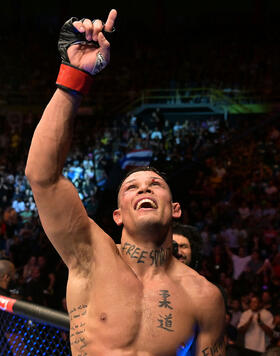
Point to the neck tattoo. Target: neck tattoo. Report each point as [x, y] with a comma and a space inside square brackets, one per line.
[155, 257]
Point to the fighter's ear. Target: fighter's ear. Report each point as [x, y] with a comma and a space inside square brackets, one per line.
[117, 216]
[176, 213]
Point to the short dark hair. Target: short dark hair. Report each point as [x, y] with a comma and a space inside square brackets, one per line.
[142, 169]
[194, 237]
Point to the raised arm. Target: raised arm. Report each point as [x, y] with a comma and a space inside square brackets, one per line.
[61, 211]
[211, 338]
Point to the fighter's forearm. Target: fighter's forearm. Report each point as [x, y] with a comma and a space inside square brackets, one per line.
[52, 138]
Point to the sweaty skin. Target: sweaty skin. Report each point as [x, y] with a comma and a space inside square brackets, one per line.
[129, 300]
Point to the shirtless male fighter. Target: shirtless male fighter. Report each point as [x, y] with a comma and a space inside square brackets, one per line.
[135, 300]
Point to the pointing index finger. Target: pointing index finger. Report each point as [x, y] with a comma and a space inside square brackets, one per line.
[109, 25]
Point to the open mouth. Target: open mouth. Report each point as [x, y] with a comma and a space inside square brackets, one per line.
[145, 203]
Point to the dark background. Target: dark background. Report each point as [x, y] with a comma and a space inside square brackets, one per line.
[158, 16]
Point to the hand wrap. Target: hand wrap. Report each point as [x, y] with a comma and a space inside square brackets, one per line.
[70, 78]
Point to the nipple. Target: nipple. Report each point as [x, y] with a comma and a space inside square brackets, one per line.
[103, 317]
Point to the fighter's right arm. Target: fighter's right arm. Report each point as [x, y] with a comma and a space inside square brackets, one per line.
[62, 214]
[61, 211]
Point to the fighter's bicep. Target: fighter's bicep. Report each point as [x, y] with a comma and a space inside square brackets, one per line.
[211, 335]
[63, 217]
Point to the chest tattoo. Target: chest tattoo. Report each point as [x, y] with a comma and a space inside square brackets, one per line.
[78, 328]
[165, 317]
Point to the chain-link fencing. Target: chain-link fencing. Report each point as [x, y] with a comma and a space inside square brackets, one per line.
[22, 333]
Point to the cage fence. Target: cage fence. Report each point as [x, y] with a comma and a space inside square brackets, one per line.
[25, 333]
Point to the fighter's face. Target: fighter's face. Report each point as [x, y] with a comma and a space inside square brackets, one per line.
[145, 200]
[184, 248]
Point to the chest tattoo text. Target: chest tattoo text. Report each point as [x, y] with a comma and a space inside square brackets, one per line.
[78, 328]
[165, 318]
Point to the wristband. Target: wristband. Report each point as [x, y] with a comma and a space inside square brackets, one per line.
[74, 80]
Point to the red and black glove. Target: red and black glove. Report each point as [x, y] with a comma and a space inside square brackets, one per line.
[71, 78]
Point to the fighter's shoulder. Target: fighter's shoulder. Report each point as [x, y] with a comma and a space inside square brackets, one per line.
[200, 288]
[207, 299]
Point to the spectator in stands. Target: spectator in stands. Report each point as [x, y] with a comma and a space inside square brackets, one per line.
[231, 336]
[275, 341]
[269, 212]
[205, 269]
[271, 188]
[18, 204]
[26, 214]
[133, 122]
[189, 244]
[266, 300]
[156, 134]
[4, 192]
[230, 235]
[47, 275]
[33, 290]
[244, 210]
[257, 326]
[273, 251]
[7, 274]
[177, 127]
[29, 268]
[273, 351]
[275, 264]
[219, 262]
[253, 267]
[236, 312]
[239, 261]
[9, 338]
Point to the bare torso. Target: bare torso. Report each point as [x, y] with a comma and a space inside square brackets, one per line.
[112, 312]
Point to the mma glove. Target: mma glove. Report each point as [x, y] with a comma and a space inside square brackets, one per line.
[70, 78]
